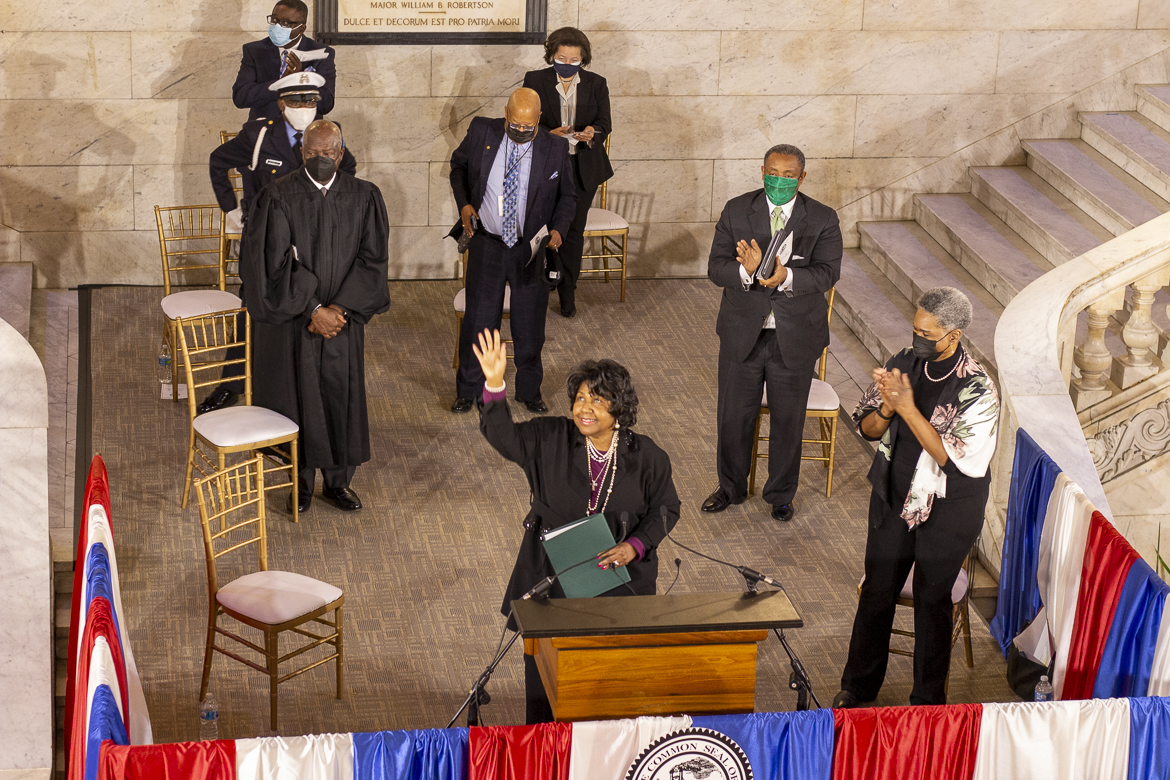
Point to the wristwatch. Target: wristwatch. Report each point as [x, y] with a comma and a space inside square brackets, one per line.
[314, 312]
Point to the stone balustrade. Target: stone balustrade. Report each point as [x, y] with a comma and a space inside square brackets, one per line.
[1113, 412]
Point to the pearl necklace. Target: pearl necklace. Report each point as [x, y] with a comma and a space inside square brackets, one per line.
[926, 370]
[609, 458]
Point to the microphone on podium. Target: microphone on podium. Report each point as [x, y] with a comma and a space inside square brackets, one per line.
[751, 576]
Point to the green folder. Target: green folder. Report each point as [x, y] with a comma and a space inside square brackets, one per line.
[579, 541]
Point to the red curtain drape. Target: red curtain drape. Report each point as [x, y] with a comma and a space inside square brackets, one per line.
[906, 743]
[99, 623]
[1108, 558]
[176, 761]
[539, 752]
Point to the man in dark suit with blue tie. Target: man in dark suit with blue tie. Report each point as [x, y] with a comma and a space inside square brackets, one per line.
[284, 52]
[771, 328]
[510, 178]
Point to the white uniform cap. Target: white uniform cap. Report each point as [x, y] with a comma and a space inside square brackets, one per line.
[303, 83]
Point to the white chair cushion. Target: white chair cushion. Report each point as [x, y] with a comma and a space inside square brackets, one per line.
[461, 300]
[196, 303]
[276, 596]
[237, 425]
[821, 397]
[604, 219]
[957, 591]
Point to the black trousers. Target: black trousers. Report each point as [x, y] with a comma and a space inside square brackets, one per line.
[936, 549]
[335, 477]
[491, 265]
[574, 243]
[741, 388]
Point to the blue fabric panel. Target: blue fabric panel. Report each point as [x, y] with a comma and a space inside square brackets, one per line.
[1149, 739]
[780, 745]
[99, 582]
[1129, 651]
[1033, 476]
[105, 722]
[427, 754]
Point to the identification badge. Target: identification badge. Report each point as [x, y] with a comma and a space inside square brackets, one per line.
[500, 205]
[273, 162]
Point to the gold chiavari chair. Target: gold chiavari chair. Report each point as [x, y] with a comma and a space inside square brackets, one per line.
[823, 406]
[231, 511]
[461, 308]
[186, 234]
[229, 232]
[240, 428]
[612, 232]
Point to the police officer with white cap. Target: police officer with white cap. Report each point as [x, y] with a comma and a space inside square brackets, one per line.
[264, 150]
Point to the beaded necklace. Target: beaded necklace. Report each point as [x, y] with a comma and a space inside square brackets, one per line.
[609, 458]
[926, 369]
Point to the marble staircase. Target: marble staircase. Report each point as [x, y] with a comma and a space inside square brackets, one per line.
[1015, 224]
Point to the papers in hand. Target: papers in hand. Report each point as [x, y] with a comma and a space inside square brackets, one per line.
[779, 251]
[535, 242]
[311, 56]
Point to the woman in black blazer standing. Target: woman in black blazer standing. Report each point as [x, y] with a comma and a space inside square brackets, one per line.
[574, 104]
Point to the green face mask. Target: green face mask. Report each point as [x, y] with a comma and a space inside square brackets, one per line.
[780, 189]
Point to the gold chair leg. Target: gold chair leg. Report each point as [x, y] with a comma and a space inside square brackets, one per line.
[172, 339]
[966, 618]
[458, 332]
[294, 477]
[832, 456]
[271, 655]
[605, 260]
[755, 455]
[207, 651]
[190, 467]
[625, 236]
[340, 654]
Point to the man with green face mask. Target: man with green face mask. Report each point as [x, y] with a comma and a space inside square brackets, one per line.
[773, 324]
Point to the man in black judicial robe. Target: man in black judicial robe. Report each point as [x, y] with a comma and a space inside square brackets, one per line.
[314, 265]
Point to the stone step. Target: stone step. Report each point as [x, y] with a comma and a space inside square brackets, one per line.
[1032, 207]
[993, 253]
[870, 305]
[1154, 103]
[915, 262]
[16, 280]
[1135, 143]
[1105, 192]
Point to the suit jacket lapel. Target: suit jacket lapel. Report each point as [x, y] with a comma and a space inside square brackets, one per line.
[761, 220]
[797, 220]
[493, 140]
[542, 146]
[551, 95]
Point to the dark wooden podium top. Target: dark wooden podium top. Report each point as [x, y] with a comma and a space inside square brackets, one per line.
[684, 612]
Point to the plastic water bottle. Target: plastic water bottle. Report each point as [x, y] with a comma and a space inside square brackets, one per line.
[1043, 689]
[209, 718]
[164, 364]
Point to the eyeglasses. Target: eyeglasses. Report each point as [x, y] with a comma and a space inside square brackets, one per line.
[300, 102]
[287, 24]
[521, 128]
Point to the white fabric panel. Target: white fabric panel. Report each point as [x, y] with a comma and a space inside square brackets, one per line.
[1035, 641]
[141, 732]
[102, 671]
[238, 425]
[1061, 740]
[1064, 562]
[822, 397]
[607, 748]
[1160, 670]
[276, 596]
[461, 299]
[312, 757]
[604, 219]
[196, 303]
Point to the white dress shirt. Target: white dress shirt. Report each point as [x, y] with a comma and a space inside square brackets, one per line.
[324, 187]
[569, 107]
[786, 285]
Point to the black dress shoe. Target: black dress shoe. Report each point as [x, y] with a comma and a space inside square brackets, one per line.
[304, 501]
[345, 499]
[462, 405]
[536, 407]
[569, 312]
[219, 398]
[719, 500]
[783, 513]
[845, 700]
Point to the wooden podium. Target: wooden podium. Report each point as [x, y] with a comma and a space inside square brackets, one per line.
[694, 653]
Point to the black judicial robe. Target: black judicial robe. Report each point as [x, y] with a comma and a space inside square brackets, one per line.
[303, 248]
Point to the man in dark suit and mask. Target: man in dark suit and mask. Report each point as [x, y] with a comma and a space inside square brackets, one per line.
[772, 328]
[284, 52]
[511, 179]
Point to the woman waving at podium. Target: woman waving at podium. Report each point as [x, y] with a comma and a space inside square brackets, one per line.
[591, 464]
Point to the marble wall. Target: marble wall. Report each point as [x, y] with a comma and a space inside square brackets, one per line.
[109, 108]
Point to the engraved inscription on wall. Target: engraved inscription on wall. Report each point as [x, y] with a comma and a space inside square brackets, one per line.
[407, 16]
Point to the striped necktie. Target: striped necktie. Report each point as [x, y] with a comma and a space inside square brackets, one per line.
[511, 191]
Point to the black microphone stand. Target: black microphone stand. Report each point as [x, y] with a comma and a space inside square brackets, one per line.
[478, 696]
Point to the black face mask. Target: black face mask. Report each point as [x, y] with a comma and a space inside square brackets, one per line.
[565, 70]
[924, 348]
[321, 168]
[520, 137]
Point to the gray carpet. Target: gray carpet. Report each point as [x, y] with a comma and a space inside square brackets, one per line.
[424, 564]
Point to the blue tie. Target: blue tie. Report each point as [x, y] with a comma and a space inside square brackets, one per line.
[511, 188]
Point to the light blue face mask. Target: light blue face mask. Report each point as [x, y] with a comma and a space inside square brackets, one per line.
[279, 35]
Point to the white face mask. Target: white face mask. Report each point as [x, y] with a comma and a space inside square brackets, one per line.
[300, 118]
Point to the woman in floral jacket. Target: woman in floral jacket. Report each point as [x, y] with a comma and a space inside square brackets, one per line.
[936, 413]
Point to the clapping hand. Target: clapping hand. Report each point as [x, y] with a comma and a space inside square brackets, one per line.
[292, 64]
[748, 255]
[493, 357]
[896, 391]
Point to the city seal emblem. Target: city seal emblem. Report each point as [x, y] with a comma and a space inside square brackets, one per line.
[692, 754]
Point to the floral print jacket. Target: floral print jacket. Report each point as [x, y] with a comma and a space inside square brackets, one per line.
[966, 417]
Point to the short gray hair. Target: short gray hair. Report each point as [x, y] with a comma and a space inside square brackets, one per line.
[788, 150]
[949, 306]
